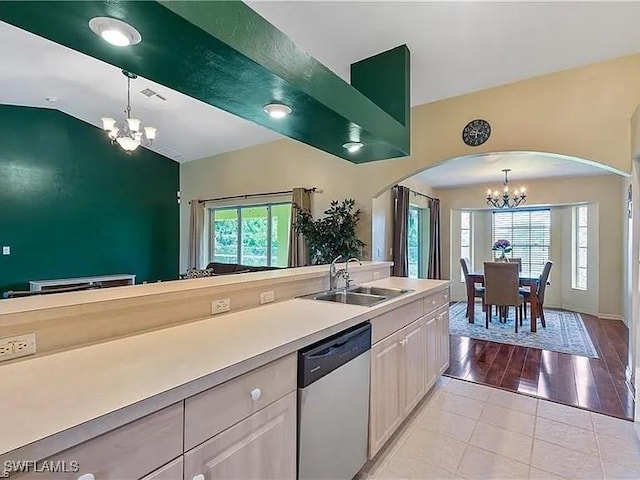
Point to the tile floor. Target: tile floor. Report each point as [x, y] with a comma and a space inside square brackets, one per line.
[469, 431]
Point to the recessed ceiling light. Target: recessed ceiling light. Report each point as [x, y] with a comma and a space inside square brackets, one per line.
[353, 147]
[277, 110]
[115, 31]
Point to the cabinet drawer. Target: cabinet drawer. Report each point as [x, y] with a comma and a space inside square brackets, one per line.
[261, 446]
[436, 300]
[216, 409]
[129, 452]
[387, 323]
[171, 471]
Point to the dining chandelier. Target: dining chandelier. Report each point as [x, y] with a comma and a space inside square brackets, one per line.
[506, 198]
[128, 134]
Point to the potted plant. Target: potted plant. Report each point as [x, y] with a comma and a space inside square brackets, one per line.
[503, 246]
[332, 235]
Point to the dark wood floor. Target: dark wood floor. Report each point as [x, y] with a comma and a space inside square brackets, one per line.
[594, 384]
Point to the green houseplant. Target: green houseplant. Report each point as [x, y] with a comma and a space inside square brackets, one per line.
[332, 235]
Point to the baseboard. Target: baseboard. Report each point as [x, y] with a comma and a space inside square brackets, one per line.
[607, 316]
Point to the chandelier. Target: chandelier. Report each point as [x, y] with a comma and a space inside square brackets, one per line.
[506, 198]
[128, 134]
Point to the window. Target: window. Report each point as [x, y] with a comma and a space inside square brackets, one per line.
[529, 232]
[580, 228]
[255, 235]
[465, 239]
[413, 240]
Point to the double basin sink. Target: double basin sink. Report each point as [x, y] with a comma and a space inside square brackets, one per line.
[363, 296]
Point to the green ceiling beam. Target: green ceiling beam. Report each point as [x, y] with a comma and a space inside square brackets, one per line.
[223, 53]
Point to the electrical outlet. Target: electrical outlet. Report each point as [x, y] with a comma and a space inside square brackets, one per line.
[6, 350]
[6, 250]
[267, 297]
[220, 306]
[18, 346]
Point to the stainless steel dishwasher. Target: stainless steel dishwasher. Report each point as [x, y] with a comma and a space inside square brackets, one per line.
[333, 405]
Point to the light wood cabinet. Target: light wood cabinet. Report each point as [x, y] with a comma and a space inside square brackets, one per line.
[385, 409]
[261, 446]
[413, 364]
[398, 366]
[129, 452]
[405, 365]
[442, 320]
[171, 471]
[384, 325]
[432, 335]
[216, 409]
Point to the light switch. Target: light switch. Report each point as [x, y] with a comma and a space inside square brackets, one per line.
[6, 250]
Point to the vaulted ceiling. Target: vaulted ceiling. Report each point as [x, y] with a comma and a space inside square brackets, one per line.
[456, 48]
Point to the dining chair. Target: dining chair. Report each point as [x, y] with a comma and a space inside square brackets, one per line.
[517, 260]
[501, 282]
[541, 287]
[478, 291]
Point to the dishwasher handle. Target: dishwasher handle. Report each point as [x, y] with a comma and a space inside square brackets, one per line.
[330, 350]
[319, 359]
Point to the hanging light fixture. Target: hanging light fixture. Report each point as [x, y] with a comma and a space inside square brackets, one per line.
[506, 198]
[129, 135]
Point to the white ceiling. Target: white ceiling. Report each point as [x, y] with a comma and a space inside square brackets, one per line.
[456, 48]
[460, 47]
[34, 68]
[487, 168]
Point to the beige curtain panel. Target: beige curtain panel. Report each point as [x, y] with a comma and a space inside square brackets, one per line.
[298, 248]
[196, 234]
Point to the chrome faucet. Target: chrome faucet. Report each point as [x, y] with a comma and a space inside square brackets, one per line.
[333, 273]
[347, 278]
[343, 272]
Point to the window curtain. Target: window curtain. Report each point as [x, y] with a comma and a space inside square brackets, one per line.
[400, 231]
[435, 265]
[196, 234]
[298, 248]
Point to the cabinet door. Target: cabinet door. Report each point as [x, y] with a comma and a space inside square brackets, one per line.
[443, 335]
[171, 471]
[433, 346]
[414, 364]
[385, 407]
[261, 446]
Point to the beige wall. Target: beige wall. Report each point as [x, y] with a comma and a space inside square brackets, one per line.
[604, 191]
[584, 112]
[382, 217]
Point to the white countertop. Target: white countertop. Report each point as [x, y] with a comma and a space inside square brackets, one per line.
[50, 394]
[40, 302]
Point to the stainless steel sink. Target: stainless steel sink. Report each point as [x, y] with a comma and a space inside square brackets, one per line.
[384, 292]
[364, 296]
[351, 298]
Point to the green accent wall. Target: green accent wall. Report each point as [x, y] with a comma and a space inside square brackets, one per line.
[386, 80]
[223, 53]
[72, 204]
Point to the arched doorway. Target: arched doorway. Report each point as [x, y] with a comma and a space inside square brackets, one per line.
[588, 275]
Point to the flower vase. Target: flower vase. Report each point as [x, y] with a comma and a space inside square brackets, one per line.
[503, 258]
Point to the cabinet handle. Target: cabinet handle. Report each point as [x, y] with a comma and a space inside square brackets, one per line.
[86, 476]
[198, 477]
[255, 395]
[403, 342]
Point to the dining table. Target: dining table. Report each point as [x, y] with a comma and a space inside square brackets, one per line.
[475, 278]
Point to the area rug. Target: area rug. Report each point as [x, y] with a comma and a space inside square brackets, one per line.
[565, 332]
